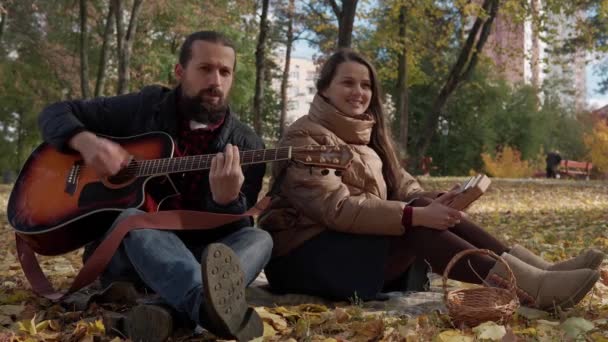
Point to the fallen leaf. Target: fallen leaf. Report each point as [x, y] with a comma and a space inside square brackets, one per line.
[372, 329]
[277, 322]
[576, 327]
[598, 337]
[527, 331]
[341, 315]
[12, 310]
[549, 323]
[269, 330]
[312, 308]
[16, 296]
[31, 327]
[281, 310]
[302, 328]
[5, 320]
[452, 336]
[604, 276]
[490, 331]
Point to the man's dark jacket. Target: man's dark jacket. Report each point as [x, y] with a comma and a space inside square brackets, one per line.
[154, 108]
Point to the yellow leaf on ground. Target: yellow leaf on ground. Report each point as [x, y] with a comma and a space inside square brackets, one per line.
[269, 330]
[598, 337]
[312, 308]
[453, 336]
[277, 322]
[490, 331]
[281, 310]
[16, 296]
[93, 328]
[526, 331]
[31, 327]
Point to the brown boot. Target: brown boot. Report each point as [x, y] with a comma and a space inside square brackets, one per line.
[224, 310]
[544, 289]
[590, 258]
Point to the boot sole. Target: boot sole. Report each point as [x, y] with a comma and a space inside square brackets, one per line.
[149, 323]
[582, 292]
[224, 291]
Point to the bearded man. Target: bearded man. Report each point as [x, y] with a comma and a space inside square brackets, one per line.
[178, 265]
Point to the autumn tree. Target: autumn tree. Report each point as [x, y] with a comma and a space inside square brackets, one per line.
[260, 59]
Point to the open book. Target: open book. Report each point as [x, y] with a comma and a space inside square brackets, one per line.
[470, 191]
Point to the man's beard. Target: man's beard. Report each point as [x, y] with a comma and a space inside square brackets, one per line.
[195, 108]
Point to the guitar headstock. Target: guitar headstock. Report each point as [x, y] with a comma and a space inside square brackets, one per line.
[334, 157]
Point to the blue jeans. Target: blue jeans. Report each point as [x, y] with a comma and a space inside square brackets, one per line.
[161, 261]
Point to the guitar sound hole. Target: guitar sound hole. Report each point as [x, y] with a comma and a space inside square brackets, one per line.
[122, 177]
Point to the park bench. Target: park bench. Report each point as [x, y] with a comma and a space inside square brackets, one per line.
[572, 169]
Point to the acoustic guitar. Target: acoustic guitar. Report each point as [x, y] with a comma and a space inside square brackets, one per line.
[58, 204]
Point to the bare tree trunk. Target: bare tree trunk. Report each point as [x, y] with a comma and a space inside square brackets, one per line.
[259, 69]
[346, 20]
[173, 48]
[105, 52]
[285, 79]
[84, 59]
[2, 24]
[402, 91]
[535, 62]
[20, 133]
[125, 43]
[461, 71]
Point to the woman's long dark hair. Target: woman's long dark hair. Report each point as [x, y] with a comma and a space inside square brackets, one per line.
[381, 140]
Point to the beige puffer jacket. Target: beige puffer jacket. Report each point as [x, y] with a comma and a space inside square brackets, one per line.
[309, 202]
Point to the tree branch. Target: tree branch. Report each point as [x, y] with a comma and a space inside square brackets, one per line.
[483, 37]
[466, 61]
[335, 8]
[2, 24]
[84, 60]
[105, 52]
[315, 11]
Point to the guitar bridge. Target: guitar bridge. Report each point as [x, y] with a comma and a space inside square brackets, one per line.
[71, 182]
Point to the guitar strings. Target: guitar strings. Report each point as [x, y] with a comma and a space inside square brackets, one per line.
[137, 165]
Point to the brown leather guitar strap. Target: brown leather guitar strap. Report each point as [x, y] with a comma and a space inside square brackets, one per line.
[166, 220]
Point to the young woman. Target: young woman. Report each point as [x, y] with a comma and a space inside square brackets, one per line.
[367, 229]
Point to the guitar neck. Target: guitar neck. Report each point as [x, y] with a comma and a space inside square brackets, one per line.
[153, 167]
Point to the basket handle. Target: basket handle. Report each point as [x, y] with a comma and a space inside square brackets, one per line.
[512, 285]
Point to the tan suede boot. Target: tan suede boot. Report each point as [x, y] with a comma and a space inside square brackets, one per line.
[544, 289]
[590, 258]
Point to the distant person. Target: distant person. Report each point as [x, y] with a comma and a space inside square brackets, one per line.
[553, 159]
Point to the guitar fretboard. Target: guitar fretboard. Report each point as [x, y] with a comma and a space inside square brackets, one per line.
[202, 162]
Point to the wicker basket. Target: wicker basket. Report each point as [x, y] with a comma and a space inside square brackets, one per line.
[472, 307]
